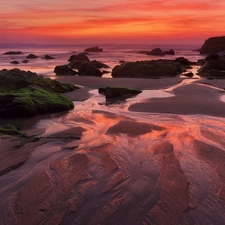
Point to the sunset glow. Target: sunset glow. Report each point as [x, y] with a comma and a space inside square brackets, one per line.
[116, 21]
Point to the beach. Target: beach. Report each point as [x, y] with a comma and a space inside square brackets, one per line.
[141, 161]
[155, 158]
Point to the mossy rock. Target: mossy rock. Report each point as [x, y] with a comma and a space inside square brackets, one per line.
[147, 69]
[10, 129]
[16, 79]
[31, 101]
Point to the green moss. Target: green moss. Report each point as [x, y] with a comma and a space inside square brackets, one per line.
[11, 130]
[16, 79]
[31, 101]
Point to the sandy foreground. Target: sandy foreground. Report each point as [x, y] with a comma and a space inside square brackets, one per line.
[162, 162]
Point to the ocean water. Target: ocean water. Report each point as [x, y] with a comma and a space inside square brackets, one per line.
[111, 55]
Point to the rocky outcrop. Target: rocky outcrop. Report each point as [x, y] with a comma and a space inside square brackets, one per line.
[13, 53]
[116, 92]
[32, 56]
[99, 64]
[47, 57]
[213, 45]
[159, 52]
[87, 69]
[94, 49]
[148, 69]
[80, 57]
[25, 94]
[214, 66]
[64, 70]
[15, 62]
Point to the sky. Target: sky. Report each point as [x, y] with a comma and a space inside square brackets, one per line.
[111, 21]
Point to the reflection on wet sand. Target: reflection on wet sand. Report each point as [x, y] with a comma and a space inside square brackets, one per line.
[120, 167]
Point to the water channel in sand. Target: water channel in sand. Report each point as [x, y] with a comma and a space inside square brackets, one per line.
[193, 137]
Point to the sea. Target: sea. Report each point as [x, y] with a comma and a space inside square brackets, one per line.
[111, 55]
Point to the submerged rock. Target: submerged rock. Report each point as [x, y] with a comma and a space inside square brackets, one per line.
[213, 45]
[156, 51]
[32, 56]
[15, 62]
[148, 69]
[13, 53]
[48, 57]
[94, 49]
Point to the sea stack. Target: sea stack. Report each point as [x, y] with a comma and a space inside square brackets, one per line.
[213, 45]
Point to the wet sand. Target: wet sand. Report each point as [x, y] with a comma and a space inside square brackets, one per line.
[160, 162]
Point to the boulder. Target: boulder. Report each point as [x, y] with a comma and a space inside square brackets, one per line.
[13, 53]
[48, 57]
[80, 57]
[213, 45]
[116, 92]
[64, 70]
[156, 51]
[94, 49]
[32, 56]
[99, 64]
[15, 62]
[87, 69]
[25, 61]
[148, 69]
[188, 74]
[16, 79]
[214, 66]
[25, 94]
[170, 52]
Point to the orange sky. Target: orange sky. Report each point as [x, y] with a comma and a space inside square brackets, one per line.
[111, 21]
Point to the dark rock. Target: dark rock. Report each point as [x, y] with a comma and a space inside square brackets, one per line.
[184, 61]
[86, 69]
[14, 62]
[25, 61]
[148, 69]
[188, 74]
[64, 70]
[80, 57]
[99, 64]
[13, 53]
[214, 66]
[170, 52]
[32, 56]
[156, 51]
[213, 45]
[48, 57]
[115, 92]
[212, 57]
[122, 61]
[94, 49]
[105, 72]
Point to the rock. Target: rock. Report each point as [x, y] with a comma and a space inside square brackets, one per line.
[25, 94]
[170, 52]
[94, 49]
[79, 57]
[16, 79]
[115, 94]
[188, 74]
[15, 62]
[99, 64]
[86, 69]
[213, 45]
[184, 61]
[64, 70]
[25, 61]
[32, 56]
[48, 57]
[214, 66]
[156, 51]
[13, 53]
[148, 69]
